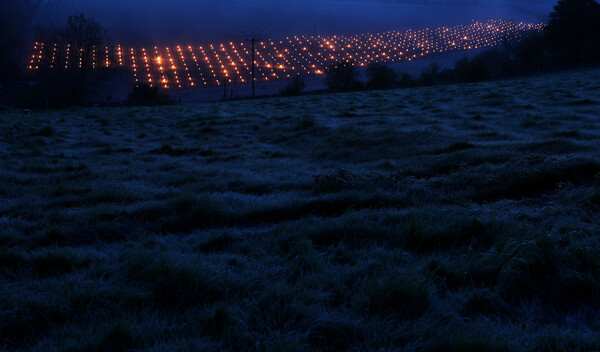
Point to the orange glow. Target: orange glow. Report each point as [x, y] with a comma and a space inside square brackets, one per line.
[211, 64]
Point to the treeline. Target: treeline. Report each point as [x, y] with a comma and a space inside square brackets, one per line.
[571, 38]
[71, 81]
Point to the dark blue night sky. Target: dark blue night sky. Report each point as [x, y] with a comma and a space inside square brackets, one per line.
[156, 21]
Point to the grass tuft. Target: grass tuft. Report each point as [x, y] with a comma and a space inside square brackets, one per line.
[461, 343]
[45, 131]
[217, 241]
[333, 333]
[11, 260]
[117, 336]
[484, 301]
[189, 212]
[305, 123]
[54, 262]
[184, 287]
[278, 309]
[167, 149]
[220, 324]
[583, 102]
[333, 182]
[455, 147]
[51, 237]
[423, 235]
[513, 183]
[404, 295]
[174, 287]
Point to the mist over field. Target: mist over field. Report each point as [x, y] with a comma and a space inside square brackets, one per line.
[159, 21]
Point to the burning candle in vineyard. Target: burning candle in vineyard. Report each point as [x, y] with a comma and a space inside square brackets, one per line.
[305, 55]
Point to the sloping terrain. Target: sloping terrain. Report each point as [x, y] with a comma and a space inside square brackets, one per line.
[449, 218]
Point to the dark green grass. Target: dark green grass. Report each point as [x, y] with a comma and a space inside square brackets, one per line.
[406, 220]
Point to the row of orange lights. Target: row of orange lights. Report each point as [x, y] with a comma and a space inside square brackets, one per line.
[217, 64]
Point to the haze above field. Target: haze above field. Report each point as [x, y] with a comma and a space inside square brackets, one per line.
[161, 21]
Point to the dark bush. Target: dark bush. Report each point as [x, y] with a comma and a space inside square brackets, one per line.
[432, 75]
[573, 31]
[117, 336]
[494, 60]
[445, 76]
[532, 53]
[483, 301]
[342, 77]
[401, 296]
[474, 70]
[47, 93]
[508, 68]
[380, 76]
[143, 94]
[428, 75]
[406, 80]
[293, 88]
[73, 84]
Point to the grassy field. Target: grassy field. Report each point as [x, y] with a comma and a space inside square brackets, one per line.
[449, 218]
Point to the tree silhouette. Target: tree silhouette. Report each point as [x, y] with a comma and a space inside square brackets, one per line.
[466, 70]
[380, 76]
[293, 88]
[342, 77]
[143, 94]
[80, 70]
[573, 31]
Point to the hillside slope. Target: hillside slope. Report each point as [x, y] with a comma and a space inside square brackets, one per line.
[449, 218]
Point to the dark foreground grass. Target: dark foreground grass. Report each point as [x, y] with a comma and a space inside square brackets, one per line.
[408, 220]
